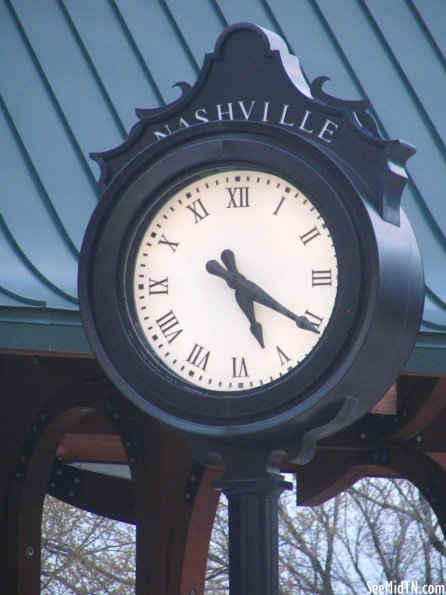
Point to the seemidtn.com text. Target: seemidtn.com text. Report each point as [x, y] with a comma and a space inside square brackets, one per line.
[404, 588]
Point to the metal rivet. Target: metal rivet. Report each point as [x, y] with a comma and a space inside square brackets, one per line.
[419, 438]
[193, 592]
[59, 472]
[52, 485]
[71, 494]
[29, 551]
[363, 435]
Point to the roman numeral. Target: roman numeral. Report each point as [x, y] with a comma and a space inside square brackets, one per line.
[310, 235]
[316, 320]
[172, 245]
[282, 356]
[198, 357]
[321, 277]
[239, 197]
[198, 209]
[158, 286]
[167, 323]
[239, 368]
[282, 200]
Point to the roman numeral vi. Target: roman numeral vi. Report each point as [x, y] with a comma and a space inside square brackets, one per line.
[239, 368]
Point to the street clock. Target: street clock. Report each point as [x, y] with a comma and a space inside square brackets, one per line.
[248, 273]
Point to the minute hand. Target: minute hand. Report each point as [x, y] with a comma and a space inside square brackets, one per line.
[256, 293]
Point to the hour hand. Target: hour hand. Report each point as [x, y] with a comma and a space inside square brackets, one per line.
[233, 279]
[214, 268]
[228, 259]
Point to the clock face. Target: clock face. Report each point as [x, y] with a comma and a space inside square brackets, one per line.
[233, 281]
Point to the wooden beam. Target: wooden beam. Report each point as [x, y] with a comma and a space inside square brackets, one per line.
[92, 448]
[111, 497]
[333, 471]
[420, 408]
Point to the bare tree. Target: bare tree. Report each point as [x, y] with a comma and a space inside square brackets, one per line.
[84, 554]
[380, 530]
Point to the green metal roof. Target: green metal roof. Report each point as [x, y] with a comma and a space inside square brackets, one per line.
[72, 72]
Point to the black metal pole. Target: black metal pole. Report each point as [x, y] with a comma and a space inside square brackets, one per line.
[253, 532]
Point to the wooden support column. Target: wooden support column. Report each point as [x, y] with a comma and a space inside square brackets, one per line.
[36, 411]
[199, 534]
[174, 512]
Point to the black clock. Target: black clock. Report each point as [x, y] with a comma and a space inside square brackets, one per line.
[237, 281]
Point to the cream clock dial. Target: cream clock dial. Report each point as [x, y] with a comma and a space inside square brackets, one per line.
[234, 280]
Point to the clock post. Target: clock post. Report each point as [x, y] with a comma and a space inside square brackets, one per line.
[252, 484]
[242, 270]
[253, 533]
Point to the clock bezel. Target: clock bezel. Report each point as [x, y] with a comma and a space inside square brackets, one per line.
[151, 385]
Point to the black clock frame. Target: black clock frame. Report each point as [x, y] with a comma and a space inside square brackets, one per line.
[372, 287]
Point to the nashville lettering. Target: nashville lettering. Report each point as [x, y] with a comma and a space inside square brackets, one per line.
[285, 115]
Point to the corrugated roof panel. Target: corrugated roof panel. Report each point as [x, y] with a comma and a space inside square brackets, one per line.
[168, 58]
[124, 80]
[52, 150]
[30, 228]
[433, 15]
[252, 11]
[432, 244]
[310, 38]
[203, 12]
[21, 285]
[71, 76]
[418, 62]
